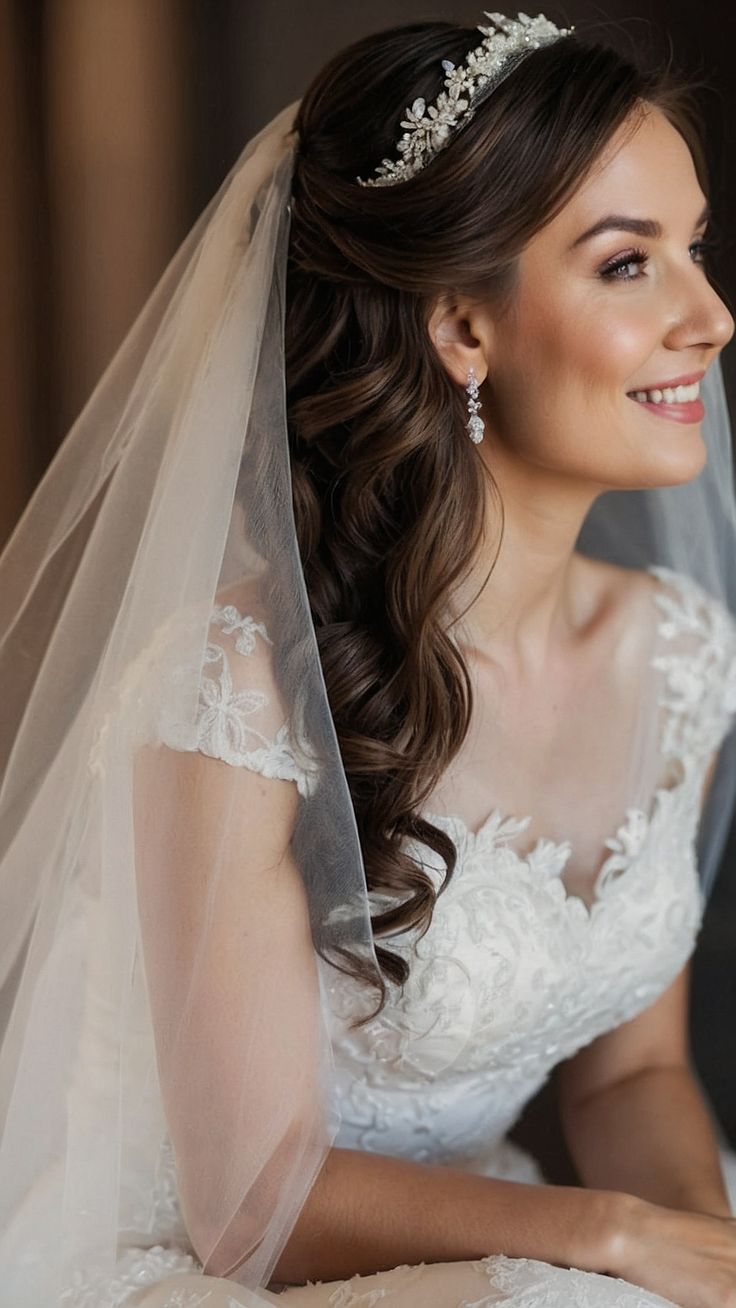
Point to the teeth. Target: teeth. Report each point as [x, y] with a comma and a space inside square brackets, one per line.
[670, 395]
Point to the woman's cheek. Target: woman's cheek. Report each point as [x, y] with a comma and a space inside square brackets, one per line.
[635, 342]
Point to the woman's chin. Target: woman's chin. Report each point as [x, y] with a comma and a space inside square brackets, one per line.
[683, 461]
[677, 456]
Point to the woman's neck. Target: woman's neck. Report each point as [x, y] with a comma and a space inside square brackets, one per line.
[533, 599]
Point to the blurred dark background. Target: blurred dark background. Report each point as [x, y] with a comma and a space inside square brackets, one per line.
[119, 118]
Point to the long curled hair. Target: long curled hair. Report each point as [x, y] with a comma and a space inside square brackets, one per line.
[390, 496]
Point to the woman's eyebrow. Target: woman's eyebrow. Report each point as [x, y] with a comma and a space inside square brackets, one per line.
[639, 226]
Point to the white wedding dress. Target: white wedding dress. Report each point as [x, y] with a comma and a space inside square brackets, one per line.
[515, 974]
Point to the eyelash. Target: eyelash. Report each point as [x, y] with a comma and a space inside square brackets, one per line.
[610, 270]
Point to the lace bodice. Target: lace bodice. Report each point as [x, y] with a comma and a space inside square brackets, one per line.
[513, 976]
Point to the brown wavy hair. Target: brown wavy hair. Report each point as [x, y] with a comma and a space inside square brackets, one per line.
[389, 493]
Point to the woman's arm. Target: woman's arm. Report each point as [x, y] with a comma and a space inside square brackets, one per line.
[368, 1212]
[633, 1115]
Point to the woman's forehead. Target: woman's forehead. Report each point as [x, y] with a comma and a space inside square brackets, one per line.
[644, 172]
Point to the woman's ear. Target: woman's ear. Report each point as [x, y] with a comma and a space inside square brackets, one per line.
[462, 338]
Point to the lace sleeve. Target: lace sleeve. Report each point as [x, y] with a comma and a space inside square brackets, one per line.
[240, 715]
[697, 657]
[240, 719]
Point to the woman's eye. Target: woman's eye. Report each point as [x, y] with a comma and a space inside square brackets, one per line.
[700, 250]
[629, 267]
[625, 267]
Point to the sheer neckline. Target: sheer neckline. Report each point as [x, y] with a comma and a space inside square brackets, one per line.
[548, 858]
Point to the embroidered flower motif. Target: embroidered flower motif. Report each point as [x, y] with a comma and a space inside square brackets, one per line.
[629, 839]
[222, 708]
[228, 723]
[699, 673]
[548, 859]
[230, 621]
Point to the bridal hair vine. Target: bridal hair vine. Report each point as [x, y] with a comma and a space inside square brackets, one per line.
[428, 130]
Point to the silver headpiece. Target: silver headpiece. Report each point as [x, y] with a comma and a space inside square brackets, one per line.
[428, 129]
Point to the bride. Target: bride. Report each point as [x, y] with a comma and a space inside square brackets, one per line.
[370, 674]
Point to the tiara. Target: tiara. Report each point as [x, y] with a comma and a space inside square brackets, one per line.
[428, 129]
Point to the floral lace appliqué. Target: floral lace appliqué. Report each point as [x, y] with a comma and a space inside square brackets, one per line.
[231, 621]
[225, 723]
[699, 671]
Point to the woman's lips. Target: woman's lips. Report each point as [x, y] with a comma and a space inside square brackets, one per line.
[693, 411]
[688, 408]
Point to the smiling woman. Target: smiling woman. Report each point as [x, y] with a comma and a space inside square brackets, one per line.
[659, 147]
[359, 737]
[583, 342]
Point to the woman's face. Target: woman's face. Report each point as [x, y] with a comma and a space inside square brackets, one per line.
[597, 317]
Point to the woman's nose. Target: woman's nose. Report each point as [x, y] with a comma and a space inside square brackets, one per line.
[702, 319]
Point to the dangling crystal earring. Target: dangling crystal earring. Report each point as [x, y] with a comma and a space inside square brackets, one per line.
[475, 425]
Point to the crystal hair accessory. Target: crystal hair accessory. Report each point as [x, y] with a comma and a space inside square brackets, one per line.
[475, 424]
[428, 129]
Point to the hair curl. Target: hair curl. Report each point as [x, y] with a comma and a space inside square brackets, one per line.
[390, 496]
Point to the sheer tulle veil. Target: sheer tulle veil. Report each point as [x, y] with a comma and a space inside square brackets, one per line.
[170, 494]
[149, 961]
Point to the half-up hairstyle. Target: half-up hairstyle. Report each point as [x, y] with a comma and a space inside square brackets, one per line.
[390, 495]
